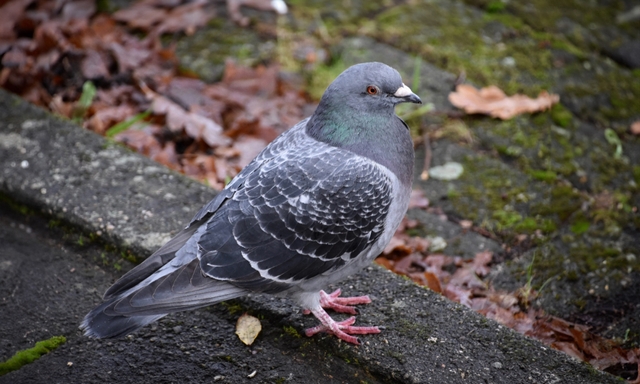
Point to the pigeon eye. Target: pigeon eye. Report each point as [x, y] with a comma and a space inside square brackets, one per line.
[372, 90]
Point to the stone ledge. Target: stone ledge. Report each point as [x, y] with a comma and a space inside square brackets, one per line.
[129, 201]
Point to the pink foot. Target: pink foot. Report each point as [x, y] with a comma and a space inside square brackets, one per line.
[342, 329]
[340, 304]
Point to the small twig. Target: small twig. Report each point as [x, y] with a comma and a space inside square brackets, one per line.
[427, 157]
[60, 279]
[461, 77]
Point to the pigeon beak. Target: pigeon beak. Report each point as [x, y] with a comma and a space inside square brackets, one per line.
[407, 95]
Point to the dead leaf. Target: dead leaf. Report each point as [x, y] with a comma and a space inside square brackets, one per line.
[196, 126]
[107, 117]
[458, 294]
[94, 65]
[492, 101]
[129, 56]
[481, 262]
[427, 279]
[14, 58]
[466, 224]
[140, 16]
[141, 138]
[248, 328]
[10, 13]
[167, 156]
[418, 199]
[78, 9]
[185, 18]
[248, 147]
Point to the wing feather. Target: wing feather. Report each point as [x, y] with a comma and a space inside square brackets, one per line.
[310, 209]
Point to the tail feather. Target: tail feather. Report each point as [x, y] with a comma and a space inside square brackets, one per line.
[183, 289]
[154, 262]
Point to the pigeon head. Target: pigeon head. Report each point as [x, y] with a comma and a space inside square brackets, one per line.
[357, 113]
[369, 87]
[359, 103]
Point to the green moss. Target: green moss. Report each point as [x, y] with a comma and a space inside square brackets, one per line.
[54, 223]
[580, 303]
[319, 79]
[397, 355]
[572, 276]
[506, 219]
[544, 175]
[495, 6]
[580, 226]
[15, 206]
[564, 201]
[413, 329]
[30, 355]
[233, 307]
[528, 225]
[291, 331]
[561, 116]
[636, 173]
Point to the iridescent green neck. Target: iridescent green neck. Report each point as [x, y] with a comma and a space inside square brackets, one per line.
[379, 136]
[341, 126]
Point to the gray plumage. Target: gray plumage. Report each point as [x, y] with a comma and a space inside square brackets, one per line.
[317, 204]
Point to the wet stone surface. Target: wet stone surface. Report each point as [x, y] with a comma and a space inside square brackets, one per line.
[552, 176]
[56, 271]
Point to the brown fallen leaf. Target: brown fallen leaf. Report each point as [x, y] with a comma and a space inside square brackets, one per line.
[140, 16]
[481, 262]
[494, 102]
[94, 65]
[10, 13]
[248, 328]
[141, 138]
[428, 279]
[248, 148]
[418, 199]
[107, 117]
[185, 18]
[195, 125]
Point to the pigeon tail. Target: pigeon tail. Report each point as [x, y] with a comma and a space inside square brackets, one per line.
[99, 325]
[182, 289]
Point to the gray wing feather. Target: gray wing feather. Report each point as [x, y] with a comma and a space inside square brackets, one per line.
[300, 209]
[167, 252]
[310, 209]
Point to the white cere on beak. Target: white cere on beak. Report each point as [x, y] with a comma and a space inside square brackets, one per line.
[403, 91]
[279, 6]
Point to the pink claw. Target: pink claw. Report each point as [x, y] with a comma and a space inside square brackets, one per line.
[341, 304]
[341, 329]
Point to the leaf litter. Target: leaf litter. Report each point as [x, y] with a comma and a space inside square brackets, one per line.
[95, 68]
[247, 328]
[494, 102]
[55, 51]
[462, 281]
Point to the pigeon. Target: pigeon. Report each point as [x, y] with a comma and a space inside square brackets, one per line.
[318, 204]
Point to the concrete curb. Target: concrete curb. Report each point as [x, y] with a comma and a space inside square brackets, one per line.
[129, 201]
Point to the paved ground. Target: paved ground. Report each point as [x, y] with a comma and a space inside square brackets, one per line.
[76, 208]
[97, 197]
[552, 177]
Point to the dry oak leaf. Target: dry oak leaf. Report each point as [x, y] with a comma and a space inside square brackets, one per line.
[248, 328]
[195, 125]
[495, 103]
